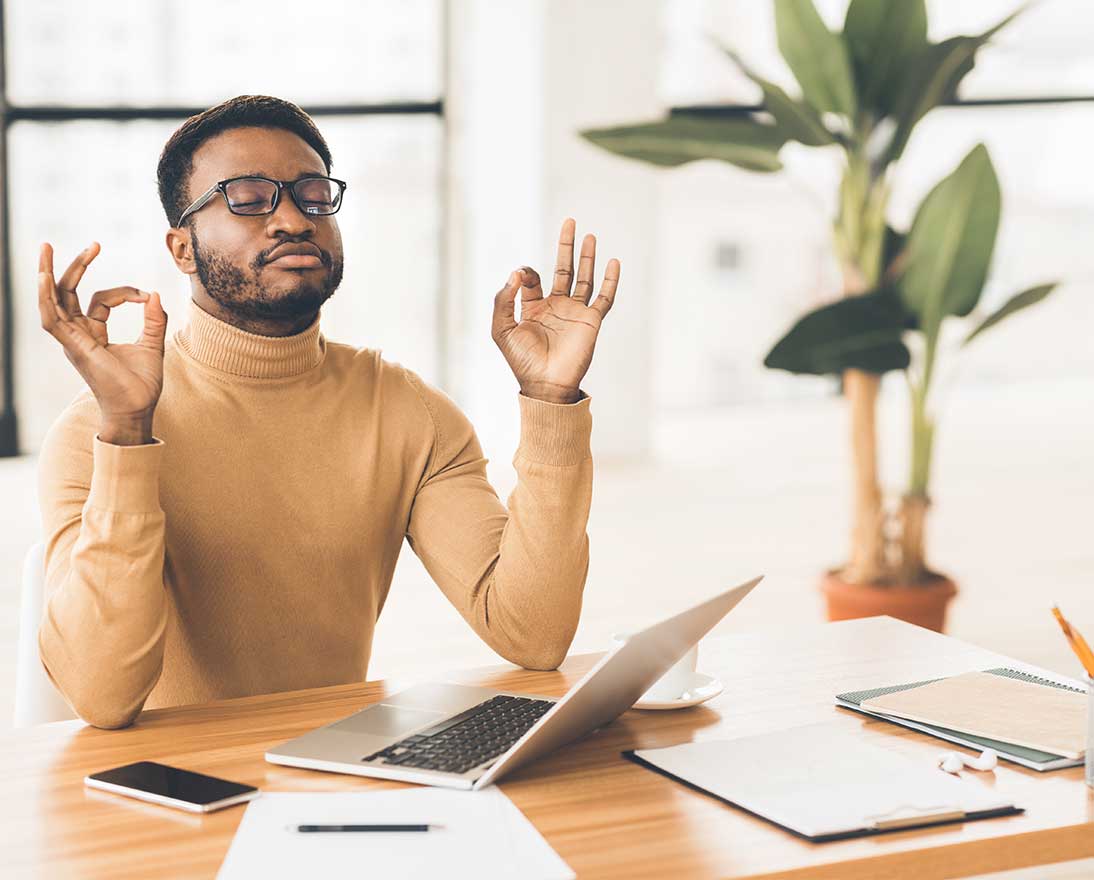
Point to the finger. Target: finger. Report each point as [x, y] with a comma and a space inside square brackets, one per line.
[530, 286]
[103, 301]
[45, 258]
[505, 308]
[564, 264]
[47, 297]
[55, 319]
[66, 286]
[49, 305]
[603, 302]
[154, 333]
[586, 266]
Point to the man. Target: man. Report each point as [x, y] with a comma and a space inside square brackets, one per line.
[223, 510]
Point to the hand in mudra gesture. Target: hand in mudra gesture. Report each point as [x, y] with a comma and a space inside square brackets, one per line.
[126, 379]
[551, 347]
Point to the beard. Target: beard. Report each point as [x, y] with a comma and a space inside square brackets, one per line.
[242, 293]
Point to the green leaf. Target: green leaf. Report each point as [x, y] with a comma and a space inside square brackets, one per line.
[798, 120]
[951, 242]
[882, 37]
[817, 57]
[931, 78]
[859, 332]
[745, 143]
[1015, 304]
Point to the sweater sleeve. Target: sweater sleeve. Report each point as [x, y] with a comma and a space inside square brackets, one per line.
[102, 634]
[515, 573]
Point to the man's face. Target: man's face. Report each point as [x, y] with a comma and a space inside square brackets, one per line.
[237, 257]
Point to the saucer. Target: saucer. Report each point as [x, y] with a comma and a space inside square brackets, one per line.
[703, 688]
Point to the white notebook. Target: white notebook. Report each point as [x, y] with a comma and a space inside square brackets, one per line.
[484, 836]
[822, 782]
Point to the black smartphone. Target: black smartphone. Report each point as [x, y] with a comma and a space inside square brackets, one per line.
[172, 787]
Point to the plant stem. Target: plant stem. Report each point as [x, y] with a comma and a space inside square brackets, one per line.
[867, 560]
[922, 423]
[860, 226]
[913, 522]
[860, 238]
[913, 508]
[922, 446]
[914, 505]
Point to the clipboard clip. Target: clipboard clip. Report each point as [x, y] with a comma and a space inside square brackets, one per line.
[909, 815]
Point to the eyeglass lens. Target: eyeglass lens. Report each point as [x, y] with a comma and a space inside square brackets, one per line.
[253, 195]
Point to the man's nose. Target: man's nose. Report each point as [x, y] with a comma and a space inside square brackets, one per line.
[287, 219]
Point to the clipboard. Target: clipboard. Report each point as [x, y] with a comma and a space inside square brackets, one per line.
[822, 783]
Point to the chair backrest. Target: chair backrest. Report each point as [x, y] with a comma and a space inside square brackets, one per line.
[36, 699]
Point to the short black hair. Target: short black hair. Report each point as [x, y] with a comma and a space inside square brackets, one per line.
[244, 111]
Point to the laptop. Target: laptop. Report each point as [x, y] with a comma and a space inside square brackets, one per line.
[469, 737]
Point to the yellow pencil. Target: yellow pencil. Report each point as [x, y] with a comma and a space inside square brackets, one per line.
[1077, 642]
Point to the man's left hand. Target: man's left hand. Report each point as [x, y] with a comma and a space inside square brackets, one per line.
[551, 347]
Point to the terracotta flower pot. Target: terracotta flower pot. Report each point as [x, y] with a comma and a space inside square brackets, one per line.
[923, 604]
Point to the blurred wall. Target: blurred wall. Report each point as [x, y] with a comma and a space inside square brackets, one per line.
[525, 78]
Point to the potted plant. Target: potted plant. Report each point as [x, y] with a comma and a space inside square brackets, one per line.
[863, 92]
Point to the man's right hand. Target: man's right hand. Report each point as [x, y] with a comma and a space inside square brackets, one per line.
[125, 379]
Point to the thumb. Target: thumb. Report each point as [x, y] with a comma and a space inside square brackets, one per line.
[505, 308]
[155, 323]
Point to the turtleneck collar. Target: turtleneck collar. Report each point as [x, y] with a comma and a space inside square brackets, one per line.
[223, 347]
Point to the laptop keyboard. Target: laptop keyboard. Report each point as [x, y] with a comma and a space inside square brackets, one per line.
[469, 739]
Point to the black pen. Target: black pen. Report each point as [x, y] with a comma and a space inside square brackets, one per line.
[308, 829]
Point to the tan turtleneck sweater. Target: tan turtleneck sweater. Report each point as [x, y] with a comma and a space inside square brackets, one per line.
[251, 547]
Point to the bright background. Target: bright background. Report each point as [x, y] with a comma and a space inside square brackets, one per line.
[709, 468]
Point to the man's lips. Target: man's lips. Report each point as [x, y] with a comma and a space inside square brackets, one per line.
[297, 261]
[298, 255]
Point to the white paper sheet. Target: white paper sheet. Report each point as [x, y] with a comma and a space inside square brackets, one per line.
[484, 836]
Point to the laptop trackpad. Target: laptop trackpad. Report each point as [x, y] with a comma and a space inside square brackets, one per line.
[388, 720]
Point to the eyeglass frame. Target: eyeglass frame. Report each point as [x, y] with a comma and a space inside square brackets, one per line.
[207, 196]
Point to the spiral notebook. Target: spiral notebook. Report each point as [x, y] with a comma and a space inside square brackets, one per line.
[1034, 758]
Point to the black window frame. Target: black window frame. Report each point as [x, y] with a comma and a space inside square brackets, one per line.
[10, 114]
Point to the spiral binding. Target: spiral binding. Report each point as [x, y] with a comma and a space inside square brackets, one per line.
[1035, 679]
[859, 697]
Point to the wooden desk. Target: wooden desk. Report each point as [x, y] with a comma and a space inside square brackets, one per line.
[606, 816]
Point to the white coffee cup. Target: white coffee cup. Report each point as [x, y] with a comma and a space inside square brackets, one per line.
[672, 684]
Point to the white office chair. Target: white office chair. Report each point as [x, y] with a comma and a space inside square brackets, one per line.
[36, 699]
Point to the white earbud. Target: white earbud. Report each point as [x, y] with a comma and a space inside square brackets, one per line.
[953, 762]
[987, 760]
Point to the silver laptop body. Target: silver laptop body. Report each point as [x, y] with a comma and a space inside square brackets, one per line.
[376, 740]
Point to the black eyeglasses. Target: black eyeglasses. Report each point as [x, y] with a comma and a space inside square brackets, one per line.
[252, 196]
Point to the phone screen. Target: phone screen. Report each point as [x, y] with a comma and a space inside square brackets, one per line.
[182, 785]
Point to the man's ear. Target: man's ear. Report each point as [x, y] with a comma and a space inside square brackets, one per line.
[181, 246]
